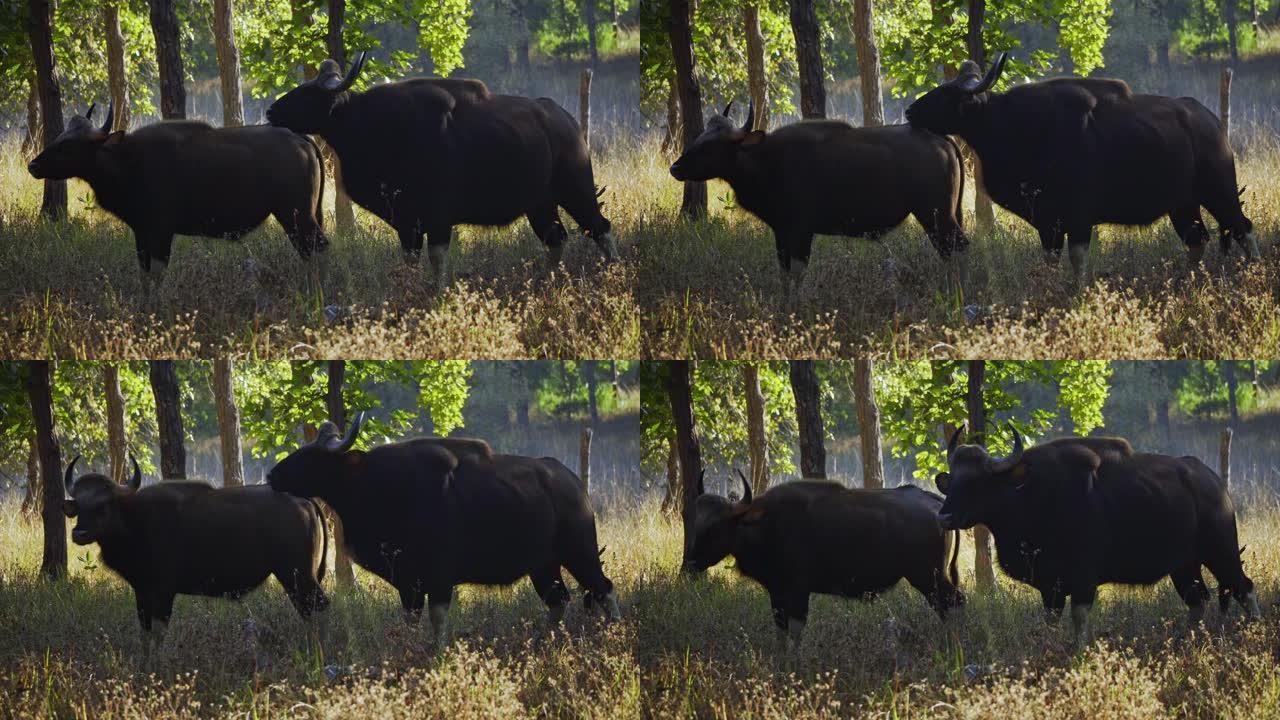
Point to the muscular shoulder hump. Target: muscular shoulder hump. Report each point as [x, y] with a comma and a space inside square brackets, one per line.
[463, 449]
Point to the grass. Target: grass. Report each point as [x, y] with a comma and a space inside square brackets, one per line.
[712, 288]
[73, 288]
[687, 647]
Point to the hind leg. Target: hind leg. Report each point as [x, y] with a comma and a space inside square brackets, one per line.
[938, 590]
[545, 221]
[550, 587]
[303, 231]
[943, 231]
[1191, 588]
[1190, 227]
[311, 602]
[1051, 242]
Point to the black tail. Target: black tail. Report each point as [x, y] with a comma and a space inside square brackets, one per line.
[960, 199]
[954, 566]
[324, 531]
[320, 200]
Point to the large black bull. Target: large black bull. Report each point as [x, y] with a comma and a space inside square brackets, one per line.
[1072, 514]
[189, 538]
[828, 177]
[813, 536]
[428, 514]
[182, 177]
[1070, 153]
[427, 154]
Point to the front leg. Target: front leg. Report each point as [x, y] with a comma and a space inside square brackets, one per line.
[152, 248]
[1054, 600]
[1081, 603]
[412, 600]
[1051, 238]
[1078, 250]
[438, 610]
[437, 251]
[410, 243]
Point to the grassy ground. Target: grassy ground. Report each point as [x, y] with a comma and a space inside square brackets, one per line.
[712, 288]
[73, 288]
[699, 647]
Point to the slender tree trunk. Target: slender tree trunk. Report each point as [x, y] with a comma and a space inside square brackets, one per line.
[32, 499]
[757, 443]
[983, 211]
[173, 452]
[40, 392]
[117, 79]
[1233, 384]
[522, 34]
[224, 398]
[1233, 41]
[756, 80]
[31, 144]
[39, 29]
[681, 396]
[804, 385]
[344, 214]
[868, 63]
[173, 91]
[671, 139]
[671, 500]
[593, 385]
[864, 397]
[117, 445]
[694, 204]
[813, 90]
[228, 63]
[983, 568]
[589, 16]
[342, 570]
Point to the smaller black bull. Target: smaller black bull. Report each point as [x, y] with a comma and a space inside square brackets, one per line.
[1075, 513]
[828, 177]
[181, 177]
[429, 514]
[189, 538]
[812, 536]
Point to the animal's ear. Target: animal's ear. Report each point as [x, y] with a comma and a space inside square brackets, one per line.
[753, 138]
[70, 508]
[113, 138]
[751, 514]
[943, 481]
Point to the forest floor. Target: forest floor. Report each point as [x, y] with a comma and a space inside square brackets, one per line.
[687, 647]
[74, 289]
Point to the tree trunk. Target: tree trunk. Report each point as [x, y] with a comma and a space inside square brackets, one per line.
[757, 443]
[1233, 384]
[671, 500]
[117, 446]
[681, 397]
[864, 397]
[39, 391]
[984, 571]
[31, 143]
[173, 453]
[344, 214]
[804, 385]
[224, 398]
[1233, 41]
[173, 91]
[342, 570]
[868, 64]
[32, 499]
[584, 459]
[228, 63]
[813, 90]
[1162, 54]
[584, 105]
[39, 29]
[117, 79]
[589, 16]
[589, 378]
[671, 140]
[756, 80]
[984, 213]
[694, 204]
[522, 34]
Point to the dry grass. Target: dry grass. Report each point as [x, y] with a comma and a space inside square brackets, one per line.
[73, 288]
[712, 288]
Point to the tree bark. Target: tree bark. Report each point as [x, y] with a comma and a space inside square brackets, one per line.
[228, 63]
[117, 79]
[1233, 384]
[681, 396]
[1233, 42]
[984, 213]
[224, 398]
[671, 140]
[868, 64]
[342, 570]
[694, 204]
[671, 500]
[589, 16]
[173, 452]
[813, 90]
[589, 377]
[984, 571]
[32, 143]
[32, 499]
[40, 31]
[117, 447]
[864, 397]
[344, 214]
[756, 80]
[40, 392]
[804, 385]
[173, 91]
[757, 443]
[584, 458]
[584, 105]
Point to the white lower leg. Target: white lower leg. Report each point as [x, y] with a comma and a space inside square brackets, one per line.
[795, 627]
[1080, 622]
[1251, 246]
[1251, 606]
[1195, 253]
[439, 615]
[437, 254]
[612, 610]
[1195, 614]
[1079, 255]
[555, 254]
[608, 245]
[555, 614]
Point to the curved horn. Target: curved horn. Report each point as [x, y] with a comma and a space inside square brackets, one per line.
[68, 479]
[135, 482]
[751, 117]
[727, 108]
[352, 431]
[955, 437]
[993, 74]
[352, 73]
[701, 489]
[746, 487]
[1008, 463]
[111, 116]
[88, 114]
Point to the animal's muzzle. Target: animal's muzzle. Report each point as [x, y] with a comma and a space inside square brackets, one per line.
[80, 537]
[33, 167]
[677, 171]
